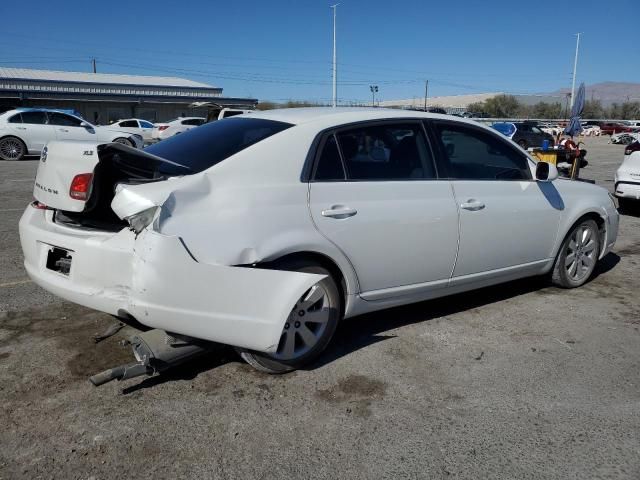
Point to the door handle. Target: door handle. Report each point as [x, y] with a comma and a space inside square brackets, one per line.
[21, 128]
[339, 211]
[472, 205]
[63, 129]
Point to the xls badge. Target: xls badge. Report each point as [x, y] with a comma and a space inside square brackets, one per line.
[88, 152]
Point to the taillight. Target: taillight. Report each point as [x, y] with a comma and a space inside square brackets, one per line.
[81, 186]
[632, 147]
[163, 127]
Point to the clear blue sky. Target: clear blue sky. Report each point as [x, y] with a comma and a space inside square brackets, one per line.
[281, 49]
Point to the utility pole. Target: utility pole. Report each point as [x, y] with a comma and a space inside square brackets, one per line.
[426, 93]
[575, 67]
[93, 62]
[374, 89]
[334, 102]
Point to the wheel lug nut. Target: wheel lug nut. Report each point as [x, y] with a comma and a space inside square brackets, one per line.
[286, 326]
[297, 324]
[301, 313]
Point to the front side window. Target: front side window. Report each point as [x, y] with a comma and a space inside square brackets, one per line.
[37, 118]
[472, 154]
[201, 148]
[57, 118]
[386, 152]
[193, 121]
[129, 124]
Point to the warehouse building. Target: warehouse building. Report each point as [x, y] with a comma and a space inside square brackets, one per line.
[103, 98]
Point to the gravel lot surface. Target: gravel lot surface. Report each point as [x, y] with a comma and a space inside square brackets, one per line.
[521, 380]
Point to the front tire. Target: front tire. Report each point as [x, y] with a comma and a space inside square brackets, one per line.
[12, 148]
[578, 255]
[308, 328]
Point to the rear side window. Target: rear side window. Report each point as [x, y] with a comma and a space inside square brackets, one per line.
[144, 124]
[201, 148]
[38, 118]
[193, 121]
[386, 152]
[472, 154]
[329, 165]
[16, 119]
[129, 124]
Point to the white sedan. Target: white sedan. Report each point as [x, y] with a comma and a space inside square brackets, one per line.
[27, 131]
[176, 127]
[627, 179]
[137, 126]
[264, 231]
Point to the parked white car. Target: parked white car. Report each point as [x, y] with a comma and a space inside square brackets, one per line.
[591, 131]
[264, 231]
[624, 138]
[27, 131]
[627, 178]
[137, 126]
[175, 127]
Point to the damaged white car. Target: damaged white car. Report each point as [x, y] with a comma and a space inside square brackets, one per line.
[263, 231]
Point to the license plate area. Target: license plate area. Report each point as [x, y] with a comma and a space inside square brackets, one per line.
[59, 260]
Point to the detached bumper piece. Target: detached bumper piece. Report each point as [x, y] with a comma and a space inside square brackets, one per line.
[155, 351]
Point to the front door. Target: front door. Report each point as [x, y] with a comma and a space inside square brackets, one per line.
[68, 127]
[374, 193]
[507, 219]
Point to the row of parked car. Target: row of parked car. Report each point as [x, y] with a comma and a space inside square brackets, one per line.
[25, 131]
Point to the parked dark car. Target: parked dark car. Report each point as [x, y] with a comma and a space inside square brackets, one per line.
[609, 128]
[530, 135]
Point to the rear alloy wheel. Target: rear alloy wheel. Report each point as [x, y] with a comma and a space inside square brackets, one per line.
[123, 141]
[12, 148]
[578, 255]
[308, 328]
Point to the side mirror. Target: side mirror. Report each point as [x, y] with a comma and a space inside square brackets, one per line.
[546, 172]
[86, 125]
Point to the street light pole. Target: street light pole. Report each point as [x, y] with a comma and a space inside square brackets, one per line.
[426, 93]
[374, 89]
[334, 102]
[575, 67]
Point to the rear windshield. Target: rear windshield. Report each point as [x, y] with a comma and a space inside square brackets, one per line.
[205, 146]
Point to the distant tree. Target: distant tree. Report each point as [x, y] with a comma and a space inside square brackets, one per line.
[546, 110]
[630, 110]
[476, 107]
[593, 109]
[267, 105]
[502, 106]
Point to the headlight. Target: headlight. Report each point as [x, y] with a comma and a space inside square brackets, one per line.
[141, 220]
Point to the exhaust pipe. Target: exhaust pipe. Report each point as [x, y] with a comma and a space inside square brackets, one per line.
[155, 351]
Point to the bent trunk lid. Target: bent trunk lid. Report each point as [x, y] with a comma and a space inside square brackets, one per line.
[60, 163]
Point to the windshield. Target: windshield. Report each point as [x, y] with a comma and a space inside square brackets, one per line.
[205, 146]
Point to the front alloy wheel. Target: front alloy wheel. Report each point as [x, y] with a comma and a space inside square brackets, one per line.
[578, 255]
[307, 329]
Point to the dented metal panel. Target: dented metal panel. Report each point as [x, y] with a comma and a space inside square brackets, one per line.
[244, 307]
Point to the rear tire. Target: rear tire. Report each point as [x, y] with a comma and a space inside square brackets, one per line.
[627, 204]
[12, 148]
[303, 339]
[577, 256]
[123, 141]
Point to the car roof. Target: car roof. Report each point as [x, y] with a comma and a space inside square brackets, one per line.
[339, 115]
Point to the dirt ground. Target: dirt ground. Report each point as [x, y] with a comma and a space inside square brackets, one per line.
[520, 380]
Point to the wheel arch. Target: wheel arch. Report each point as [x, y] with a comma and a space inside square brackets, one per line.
[595, 215]
[322, 260]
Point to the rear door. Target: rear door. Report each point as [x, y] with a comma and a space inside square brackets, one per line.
[68, 127]
[507, 219]
[374, 192]
[32, 128]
